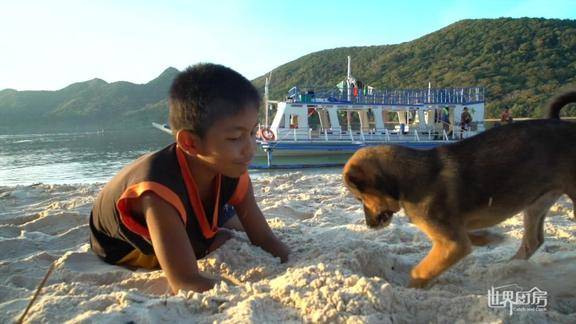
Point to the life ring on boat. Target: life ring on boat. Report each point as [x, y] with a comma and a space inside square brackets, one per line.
[267, 134]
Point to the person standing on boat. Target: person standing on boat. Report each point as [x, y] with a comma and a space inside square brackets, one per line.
[465, 121]
[506, 117]
[171, 207]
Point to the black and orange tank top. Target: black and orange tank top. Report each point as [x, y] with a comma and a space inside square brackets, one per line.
[115, 233]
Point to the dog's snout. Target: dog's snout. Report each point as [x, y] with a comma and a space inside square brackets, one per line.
[380, 219]
[385, 215]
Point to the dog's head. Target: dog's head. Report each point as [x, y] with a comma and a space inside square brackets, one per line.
[373, 185]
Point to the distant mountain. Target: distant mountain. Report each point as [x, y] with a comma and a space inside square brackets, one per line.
[91, 104]
[520, 62]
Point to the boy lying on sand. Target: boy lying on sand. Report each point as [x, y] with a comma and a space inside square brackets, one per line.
[168, 208]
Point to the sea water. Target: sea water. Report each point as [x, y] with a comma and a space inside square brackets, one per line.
[66, 157]
[72, 157]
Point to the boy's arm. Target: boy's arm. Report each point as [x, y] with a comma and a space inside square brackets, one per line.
[171, 245]
[257, 228]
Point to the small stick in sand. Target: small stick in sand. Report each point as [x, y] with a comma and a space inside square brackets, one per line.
[231, 279]
[224, 277]
[42, 283]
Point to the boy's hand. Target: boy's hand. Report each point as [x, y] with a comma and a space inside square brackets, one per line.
[277, 248]
[257, 228]
[199, 283]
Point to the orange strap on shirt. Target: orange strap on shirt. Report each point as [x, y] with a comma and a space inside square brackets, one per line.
[241, 190]
[136, 191]
[207, 230]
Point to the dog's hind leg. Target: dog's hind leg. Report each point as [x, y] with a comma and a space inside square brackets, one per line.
[534, 225]
[449, 245]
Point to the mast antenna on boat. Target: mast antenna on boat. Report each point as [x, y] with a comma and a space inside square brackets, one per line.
[350, 81]
[266, 84]
[349, 74]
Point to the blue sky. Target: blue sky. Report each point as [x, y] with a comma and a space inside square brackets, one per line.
[47, 45]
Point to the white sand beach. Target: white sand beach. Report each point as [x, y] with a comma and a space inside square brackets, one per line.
[340, 270]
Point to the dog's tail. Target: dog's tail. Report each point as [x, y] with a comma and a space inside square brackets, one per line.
[560, 101]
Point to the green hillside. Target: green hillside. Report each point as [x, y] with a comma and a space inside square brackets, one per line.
[520, 62]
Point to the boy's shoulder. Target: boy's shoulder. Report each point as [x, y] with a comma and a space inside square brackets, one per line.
[161, 161]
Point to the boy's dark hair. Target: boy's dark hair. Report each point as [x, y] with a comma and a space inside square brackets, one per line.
[204, 93]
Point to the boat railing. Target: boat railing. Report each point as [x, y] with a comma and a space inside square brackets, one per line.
[294, 134]
[312, 95]
[370, 135]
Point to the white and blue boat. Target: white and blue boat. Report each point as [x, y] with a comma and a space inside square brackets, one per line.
[317, 121]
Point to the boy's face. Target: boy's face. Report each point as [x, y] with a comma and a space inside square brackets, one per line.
[230, 143]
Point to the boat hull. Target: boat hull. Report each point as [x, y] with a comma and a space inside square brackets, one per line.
[334, 148]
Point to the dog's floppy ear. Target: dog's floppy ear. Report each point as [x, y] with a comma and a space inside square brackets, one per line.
[388, 184]
[355, 177]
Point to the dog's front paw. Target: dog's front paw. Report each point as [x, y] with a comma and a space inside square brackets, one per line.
[418, 283]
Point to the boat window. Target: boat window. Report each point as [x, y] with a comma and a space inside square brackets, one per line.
[390, 119]
[293, 121]
[371, 119]
[342, 120]
[323, 119]
[349, 119]
[314, 119]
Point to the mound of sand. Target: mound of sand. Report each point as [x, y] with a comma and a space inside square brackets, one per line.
[340, 271]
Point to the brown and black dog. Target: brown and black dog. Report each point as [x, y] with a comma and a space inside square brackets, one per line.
[451, 190]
